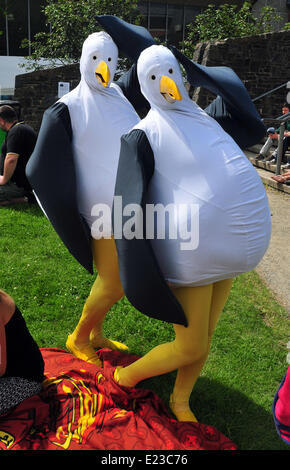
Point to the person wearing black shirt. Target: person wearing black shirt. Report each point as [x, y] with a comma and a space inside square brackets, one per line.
[21, 361]
[16, 150]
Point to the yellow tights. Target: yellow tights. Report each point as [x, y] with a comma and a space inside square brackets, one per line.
[188, 351]
[105, 292]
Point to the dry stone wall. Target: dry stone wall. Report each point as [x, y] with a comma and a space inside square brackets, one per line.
[36, 91]
[262, 63]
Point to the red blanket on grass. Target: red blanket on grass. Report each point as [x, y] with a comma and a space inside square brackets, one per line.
[82, 408]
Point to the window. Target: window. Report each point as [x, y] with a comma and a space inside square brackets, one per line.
[167, 21]
[24, 18]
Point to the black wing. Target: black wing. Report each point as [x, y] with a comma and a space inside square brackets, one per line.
[141, 277]
[130, 39]
[233, 108]
[51, 173]
[130, 86]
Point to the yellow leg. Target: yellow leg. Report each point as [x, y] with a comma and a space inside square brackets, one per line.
[105, 292]
[189, 350]
[188, 375]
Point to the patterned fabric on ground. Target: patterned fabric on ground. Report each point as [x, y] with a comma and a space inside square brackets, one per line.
[13, 390]
[82, 408]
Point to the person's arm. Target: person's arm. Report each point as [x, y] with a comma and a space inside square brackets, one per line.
[274, 135]
[9, 167]
[286, 132]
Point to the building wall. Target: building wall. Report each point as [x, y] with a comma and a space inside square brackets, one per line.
[23, 21]
[167, 19]
[25, 18]
[282, 7]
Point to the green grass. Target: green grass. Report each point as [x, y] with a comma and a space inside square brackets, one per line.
[248, 357]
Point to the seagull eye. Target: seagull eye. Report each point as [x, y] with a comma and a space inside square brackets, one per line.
[95, 57]
[109, 59]
[170, 71]
[153, 77]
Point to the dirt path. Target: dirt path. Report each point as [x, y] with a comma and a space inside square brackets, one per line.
[274, 268]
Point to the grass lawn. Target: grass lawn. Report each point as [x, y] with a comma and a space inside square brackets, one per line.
[248, 357]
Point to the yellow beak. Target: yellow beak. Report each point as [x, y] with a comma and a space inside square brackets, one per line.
[103, 73]
[169, 89]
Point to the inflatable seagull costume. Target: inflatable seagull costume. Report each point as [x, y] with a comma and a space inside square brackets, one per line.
[188, 160]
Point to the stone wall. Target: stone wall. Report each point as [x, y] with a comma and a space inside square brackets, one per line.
[262, 63]
[36, 91]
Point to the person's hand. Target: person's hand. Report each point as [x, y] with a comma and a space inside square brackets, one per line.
[1, 180]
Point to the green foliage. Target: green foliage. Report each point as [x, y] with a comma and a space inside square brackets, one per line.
[69, 23]
[227, 21]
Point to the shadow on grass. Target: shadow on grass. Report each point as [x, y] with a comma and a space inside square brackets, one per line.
[247, 424]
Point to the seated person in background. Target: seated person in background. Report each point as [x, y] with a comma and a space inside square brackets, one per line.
[273, 135]
[16, 149]
[21, 362]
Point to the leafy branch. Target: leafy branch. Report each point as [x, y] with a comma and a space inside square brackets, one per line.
[227, 21]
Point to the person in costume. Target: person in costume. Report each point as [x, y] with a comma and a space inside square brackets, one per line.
[21, 364]
[78, 149]
[179, 156]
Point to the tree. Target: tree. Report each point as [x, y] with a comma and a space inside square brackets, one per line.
[226, 21]
[69, 23]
